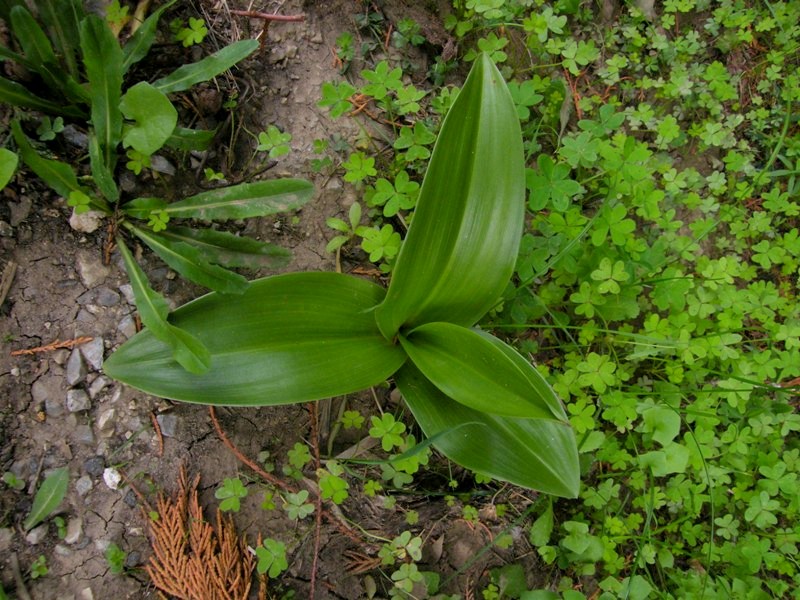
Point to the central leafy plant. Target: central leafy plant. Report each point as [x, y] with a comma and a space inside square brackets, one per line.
[308, 336]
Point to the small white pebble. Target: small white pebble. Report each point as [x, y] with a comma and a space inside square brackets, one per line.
[112, 478]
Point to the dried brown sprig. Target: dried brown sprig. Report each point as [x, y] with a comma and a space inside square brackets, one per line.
[192, 560]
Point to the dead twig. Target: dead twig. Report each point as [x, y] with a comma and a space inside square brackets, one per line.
[7, 278]
[160, 436]
[254, 14]
[58, 344]
[22, 591]
[331, 517]
[312, 410]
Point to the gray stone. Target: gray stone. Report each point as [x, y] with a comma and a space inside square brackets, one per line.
[53, 406]
[106, 422]
[62, 550]
[127, 326]
[74, 531]
[60, 356]
[127, 290]
[75, 136]
[133, 559]
[91, 269]
[93, 353]
[20, 210]
[162, 165]
[94, 466]
[76, 368]
[6, 230]
[130, 499]
[106, 297]
[84, 485]
[87, 222]
[78, 400]
[84, 435]
[37, 534]
[168, 424]
[98, 385]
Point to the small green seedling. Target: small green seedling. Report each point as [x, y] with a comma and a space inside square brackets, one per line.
[231, 492]
[48, 497]
[115, 558]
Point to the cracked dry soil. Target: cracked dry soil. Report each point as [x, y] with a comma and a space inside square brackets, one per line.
[57, 408]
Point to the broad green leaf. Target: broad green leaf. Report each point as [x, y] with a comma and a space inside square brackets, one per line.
[183, 138]
[228, 250]
[288, 338]
[136, 48]
[13, 93]
[62, 18]
[103, 60]
[154, 115]
[58, 175]
[8, 164]
[462, 245]
[102, 175]
[48, 497]
[540, 454]
[478, 373]
[186, 76]
[189, 262]
[245, 200]
[153, 310]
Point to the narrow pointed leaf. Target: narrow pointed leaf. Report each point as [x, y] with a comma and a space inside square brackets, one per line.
[462, 245]
[540, 454]
[142, 40]
[103, 177]
[183, 138]
[7, 54]
[39, 55]
[48, 497]
[58, 175]
[141, 208]
[228, 250]
[103, 60]
[474, 371]
[17, 95]
[186, 76]
[33, 40]
[188, 261]
[245, 200]
[63, 17]
[288, 338]
[153, 310]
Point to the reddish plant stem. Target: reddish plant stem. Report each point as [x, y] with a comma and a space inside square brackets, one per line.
[312, 411]
[254, 14]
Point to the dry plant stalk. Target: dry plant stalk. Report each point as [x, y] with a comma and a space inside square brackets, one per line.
[191, 559]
